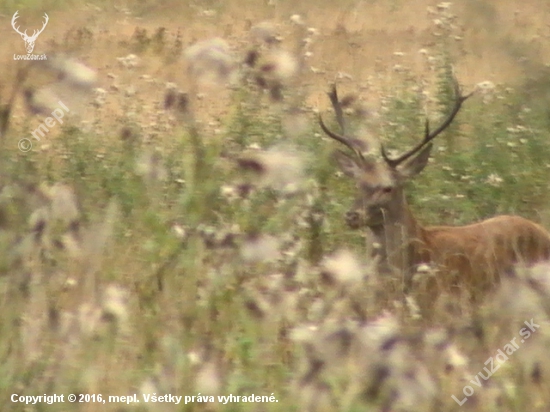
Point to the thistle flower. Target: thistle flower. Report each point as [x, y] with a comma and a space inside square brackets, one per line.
[316, 396]
[64, 204]
[344, 267]
[413, 307]
[211, 61]
[295, 123]
[100, 96]
[115, 302]
[277, 168]
[97, 238]
[208, 380]
[444, 5]
[40, 101]
[260, 248]
[455, 358]
[379, 331]
[72, 71]
[297, 19]
[264, 32]
[130, 61]
[38, 221]
[229, 192]
[304, 333]
[494, 180]
[538, 277]
[279, 65]
[485, 86]
[177, 100]
[513, 300]
[179, 231]
[149, 165]
[89, 318]
[416, 390]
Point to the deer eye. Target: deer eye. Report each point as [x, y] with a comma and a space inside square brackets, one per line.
[387, 189]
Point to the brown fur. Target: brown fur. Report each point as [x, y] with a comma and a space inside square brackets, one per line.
[474, 256]
[469, 257]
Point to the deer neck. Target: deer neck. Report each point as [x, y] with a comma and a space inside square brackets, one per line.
[400, 239]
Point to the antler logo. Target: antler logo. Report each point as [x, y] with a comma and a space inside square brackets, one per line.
[29, 40]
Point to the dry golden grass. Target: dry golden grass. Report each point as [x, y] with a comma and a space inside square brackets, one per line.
[503, 42]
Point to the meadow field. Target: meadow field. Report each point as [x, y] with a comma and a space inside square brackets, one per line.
[177, 227]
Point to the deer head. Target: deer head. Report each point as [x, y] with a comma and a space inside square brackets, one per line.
[380, 182]
[29, 40]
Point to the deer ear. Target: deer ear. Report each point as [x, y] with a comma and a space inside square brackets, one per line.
[348, 165]
[416, 164]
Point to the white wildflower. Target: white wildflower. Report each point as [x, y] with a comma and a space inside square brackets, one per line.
[72, 71]
[41, 101]
[100, 96]
[207, 380]
[444, 5]
[281, 65]
[211, 61]
[115, 302]
[150, 166]
[277, 168]
[130, 61]
[485, 86]
[64, 205]
[494, 180]
[304, 333]
[264, 32]
[260, 248]
[344, 267]
[229, 192]
[297, 19]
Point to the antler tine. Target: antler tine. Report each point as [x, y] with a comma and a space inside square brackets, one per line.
[333, 95]
[429, 136]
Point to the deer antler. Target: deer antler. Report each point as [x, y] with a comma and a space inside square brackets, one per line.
[350, 143]
[429, 136]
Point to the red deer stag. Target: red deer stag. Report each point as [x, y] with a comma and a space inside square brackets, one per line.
[470, 257]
